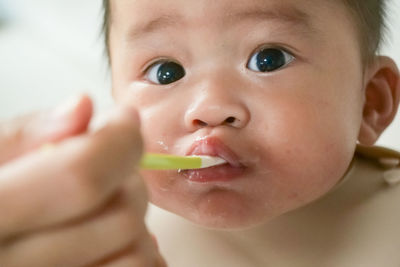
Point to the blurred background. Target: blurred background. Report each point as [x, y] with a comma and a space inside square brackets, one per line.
[50, 50]
[53, 49]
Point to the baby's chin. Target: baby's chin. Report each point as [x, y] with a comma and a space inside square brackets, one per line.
[220, 211]
[226, 220]
[227, 223]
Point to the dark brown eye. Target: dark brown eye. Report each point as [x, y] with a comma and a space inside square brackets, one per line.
[165, 72]
[269, 59]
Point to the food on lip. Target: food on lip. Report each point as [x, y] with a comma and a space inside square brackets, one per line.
[213, 146]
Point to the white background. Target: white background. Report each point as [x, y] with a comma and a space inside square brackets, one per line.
[52, 49]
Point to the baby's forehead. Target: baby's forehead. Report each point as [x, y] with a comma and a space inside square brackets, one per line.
[223, 8]
[147, 15]
[312, 22]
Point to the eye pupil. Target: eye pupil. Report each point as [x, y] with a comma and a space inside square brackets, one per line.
[270, 59]
[170, 72]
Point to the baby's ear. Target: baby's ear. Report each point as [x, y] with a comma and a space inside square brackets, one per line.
[382, 94]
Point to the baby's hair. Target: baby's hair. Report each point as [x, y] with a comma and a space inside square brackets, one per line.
[106, 25]
[369, 17]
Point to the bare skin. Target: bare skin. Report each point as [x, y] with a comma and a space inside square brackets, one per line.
[280, 124]
[80, 204]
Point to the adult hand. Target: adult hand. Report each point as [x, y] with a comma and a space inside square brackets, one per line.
[80, 203]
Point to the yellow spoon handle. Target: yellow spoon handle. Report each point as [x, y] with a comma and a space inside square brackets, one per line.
[152, 161]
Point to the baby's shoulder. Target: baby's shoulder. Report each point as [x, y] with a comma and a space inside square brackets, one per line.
[376, 195]
[367, 204]
[359, 221]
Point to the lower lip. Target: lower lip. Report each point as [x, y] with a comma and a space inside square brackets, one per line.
[222, 173]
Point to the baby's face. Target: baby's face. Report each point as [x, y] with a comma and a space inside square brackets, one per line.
[273, 86]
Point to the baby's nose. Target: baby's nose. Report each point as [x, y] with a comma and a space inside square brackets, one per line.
[216, 113]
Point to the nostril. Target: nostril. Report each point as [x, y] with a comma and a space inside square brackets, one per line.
[230, 120]
[199, 123]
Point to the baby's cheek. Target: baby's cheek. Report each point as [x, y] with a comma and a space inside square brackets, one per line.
[308, 152]
[160, 128]
[159, 186]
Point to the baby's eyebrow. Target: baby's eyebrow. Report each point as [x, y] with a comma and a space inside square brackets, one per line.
[154, 25]
[284, 14]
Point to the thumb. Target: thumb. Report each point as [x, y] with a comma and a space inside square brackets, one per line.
[28, 132]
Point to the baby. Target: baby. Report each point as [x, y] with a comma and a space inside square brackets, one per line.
[290, 93]
[282, 90]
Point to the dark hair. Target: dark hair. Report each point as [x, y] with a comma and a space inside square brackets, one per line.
[369, 17]
[106, 23]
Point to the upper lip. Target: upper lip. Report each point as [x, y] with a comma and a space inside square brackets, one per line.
[213, 146]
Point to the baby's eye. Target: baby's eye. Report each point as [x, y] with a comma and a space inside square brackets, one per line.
[269, 59]
[165, 72]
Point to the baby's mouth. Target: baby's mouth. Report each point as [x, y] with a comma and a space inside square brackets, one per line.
[222, 173]
[214, 147]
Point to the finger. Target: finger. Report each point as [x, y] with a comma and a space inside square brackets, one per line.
[114, 229]
[142, 253]
[132, 258]
[126, 260]
[72, 180]
[25, 133]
